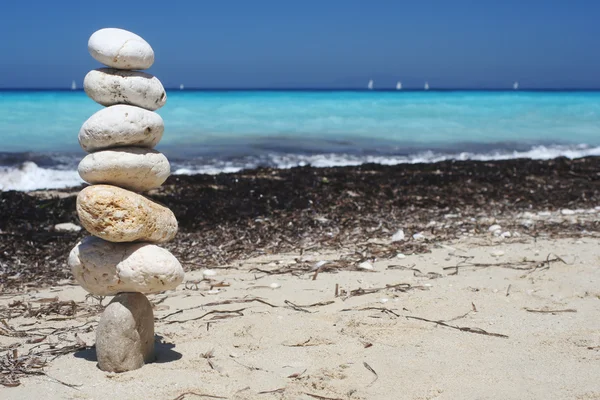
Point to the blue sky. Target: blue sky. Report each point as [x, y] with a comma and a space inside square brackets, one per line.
[306, 43]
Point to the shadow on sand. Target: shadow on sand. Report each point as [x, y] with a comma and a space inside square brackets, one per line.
[164, 352]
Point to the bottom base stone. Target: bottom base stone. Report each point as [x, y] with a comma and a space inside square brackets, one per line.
[125, 334]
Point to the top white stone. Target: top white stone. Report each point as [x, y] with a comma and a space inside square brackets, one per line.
[120, 49]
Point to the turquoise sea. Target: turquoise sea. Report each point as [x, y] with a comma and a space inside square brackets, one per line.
[225, 131]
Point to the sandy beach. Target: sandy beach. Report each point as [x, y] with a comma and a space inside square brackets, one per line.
[517, 326]
[492, 292]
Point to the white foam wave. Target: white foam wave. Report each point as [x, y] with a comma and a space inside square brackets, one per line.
[28, 176]
[286, 161]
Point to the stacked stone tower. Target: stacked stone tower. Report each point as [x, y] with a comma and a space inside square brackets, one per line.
[122, 259]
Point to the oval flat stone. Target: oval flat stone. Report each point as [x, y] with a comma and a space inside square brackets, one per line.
[109, 86]
[105, 269]
[119, 215]
[121, 125]
[121, 49]
[132, 168]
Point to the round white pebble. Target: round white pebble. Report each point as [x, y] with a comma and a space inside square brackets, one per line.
[132, 168]
[109, 86]
[120, 49]
[494, 228]
[120, 126]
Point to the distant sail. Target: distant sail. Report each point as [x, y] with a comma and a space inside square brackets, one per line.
[516, 85]
[370, 85]
[426, 87]
[181, 87]
[399, 85]
[73, 86]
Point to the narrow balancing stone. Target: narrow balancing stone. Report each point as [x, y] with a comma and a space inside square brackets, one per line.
[122, 258]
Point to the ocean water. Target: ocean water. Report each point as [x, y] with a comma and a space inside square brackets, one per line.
[226, 131]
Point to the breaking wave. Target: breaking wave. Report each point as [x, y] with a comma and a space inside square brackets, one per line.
[27, 175]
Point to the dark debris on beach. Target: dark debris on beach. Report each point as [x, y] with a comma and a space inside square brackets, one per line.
[230, 217]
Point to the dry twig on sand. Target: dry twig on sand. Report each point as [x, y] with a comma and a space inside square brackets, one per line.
[280, 390]
[399, 287]
[460, 328]
[567, 310]
[218, 303]
[523, 265]
[218, 314]
[13, 367]
[367, 366]
[316, 396]
[186, 394]
[298, 307]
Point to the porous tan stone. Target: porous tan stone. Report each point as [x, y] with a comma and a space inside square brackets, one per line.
[120, 215]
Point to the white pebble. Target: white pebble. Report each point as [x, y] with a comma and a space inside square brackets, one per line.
[67, 227]
[134, 168]
[109, 86]
[400, 256]
[209, 272]
[567, 212]
[505, 234]
[498, 253]
[366, 265]
[494, 228]
[274, 285]
[398, 236]
[384, 300]
[121, 49]
[419, 236]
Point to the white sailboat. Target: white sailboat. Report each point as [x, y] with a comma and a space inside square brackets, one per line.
[181, 87]
[370, 85]
[426, 87]
[516, 85]
[73, 85]
[399, 85]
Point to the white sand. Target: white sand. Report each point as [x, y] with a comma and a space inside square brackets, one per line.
[546, 355]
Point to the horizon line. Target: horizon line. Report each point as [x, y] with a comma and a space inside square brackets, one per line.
[326, 89]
